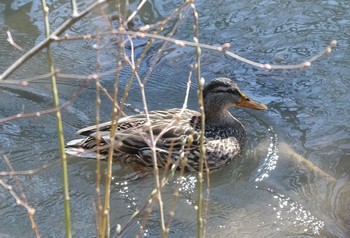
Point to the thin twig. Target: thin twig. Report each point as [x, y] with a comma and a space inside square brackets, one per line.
[134, 13]
[25, 82]
[153, 142]
[135, 67]
[152, 197]
[146, 49]
[115, 115]
[161, 50]
[74, 8]
[19, 201]
[12, 42]
[163, 182]
[117, 111]
[223, 48]
[29, 172]
[25, 200]
[176, 192]
[50, 39]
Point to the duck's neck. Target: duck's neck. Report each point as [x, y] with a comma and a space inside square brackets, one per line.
[220, 117]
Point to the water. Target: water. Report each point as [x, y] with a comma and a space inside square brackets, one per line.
[269, 192]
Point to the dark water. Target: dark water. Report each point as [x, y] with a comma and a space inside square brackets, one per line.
[269, 192]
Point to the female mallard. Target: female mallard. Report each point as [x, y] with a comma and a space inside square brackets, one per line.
[177, 132]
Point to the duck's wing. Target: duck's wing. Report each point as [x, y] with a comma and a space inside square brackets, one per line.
[138, 120]
[123, 124]
[171, 131]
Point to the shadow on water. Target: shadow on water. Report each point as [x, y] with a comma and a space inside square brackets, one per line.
[291, 180]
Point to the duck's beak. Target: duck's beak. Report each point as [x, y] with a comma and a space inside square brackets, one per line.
[247, 102]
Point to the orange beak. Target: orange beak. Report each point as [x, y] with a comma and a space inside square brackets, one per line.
[249, 103]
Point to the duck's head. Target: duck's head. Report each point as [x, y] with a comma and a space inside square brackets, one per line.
[223, 93]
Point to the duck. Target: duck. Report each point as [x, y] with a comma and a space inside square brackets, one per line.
[176, 133]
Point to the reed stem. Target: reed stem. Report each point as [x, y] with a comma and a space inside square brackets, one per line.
[58, 125]
[201, 108]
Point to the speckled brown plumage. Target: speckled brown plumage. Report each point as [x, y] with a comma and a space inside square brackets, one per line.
[178, 133]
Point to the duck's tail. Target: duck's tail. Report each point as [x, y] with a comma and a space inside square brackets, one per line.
[74, 148]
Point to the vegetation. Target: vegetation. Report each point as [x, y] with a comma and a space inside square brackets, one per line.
[125, 33]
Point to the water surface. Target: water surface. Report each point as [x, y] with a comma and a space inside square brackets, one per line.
[269, 192]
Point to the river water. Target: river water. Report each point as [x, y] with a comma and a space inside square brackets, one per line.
[293, 177]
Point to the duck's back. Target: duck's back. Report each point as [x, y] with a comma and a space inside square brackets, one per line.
[177, 136]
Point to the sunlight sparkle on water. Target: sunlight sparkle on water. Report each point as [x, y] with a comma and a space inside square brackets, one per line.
[187, 185]
[271, 159]
[297, 214]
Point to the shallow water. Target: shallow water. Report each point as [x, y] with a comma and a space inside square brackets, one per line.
[268, 192]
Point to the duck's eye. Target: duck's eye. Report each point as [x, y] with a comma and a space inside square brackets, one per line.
[232, 91]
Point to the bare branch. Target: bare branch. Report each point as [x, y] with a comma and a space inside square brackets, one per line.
[19, 201]
[12, 42]
[223, 48]
[29, 172]
[161, 50]
[152, 141]
[134, 12]
[25, 200]
[50, 39]
[202, 157]
[74, 8]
